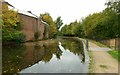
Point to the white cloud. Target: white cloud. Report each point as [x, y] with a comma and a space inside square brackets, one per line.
[69, 10]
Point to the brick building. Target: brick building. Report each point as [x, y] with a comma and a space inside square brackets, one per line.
[29, 23]
[29, 26]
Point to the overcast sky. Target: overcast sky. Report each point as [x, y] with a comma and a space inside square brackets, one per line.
[69, 10]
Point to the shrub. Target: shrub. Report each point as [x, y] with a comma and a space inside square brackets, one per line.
[36, 35]
[16, 37]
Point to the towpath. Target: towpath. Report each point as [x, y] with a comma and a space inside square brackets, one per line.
[102, 61]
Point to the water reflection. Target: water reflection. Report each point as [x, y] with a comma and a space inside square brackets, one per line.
[49, 53]
[11, 59]
[75, 47]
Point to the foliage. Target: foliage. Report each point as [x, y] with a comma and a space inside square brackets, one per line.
[114, 5]
[48, 19]
[12, 37]
[73, 29]
[115, 54]
[36, 35]
[10, 19]
[58, 22]
[10, 26]
[101, 25]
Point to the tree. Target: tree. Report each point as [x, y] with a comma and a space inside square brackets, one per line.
[10, 19]
[48, 19]
[102, 25]
[114, 5]
[58, 22]
[73, 29]
[11, 26]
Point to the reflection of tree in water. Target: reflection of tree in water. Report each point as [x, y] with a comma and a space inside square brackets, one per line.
[18, 58]
[38, 53]
[21, 57]
[51, 49]
[58, 53]
[75, 47]
[11, 59]
[72, 46]
[47, 56]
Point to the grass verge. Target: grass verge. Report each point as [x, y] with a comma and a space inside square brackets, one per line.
[98, 43]
[91, 62]
[115, 54]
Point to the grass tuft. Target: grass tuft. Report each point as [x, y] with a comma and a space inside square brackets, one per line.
[103, 66]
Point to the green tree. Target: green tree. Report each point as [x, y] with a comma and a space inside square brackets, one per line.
[114, 5]
[101, 25]
[48, 19]
[58, 22]
[10, 20]
[10, 26]
[73, 29]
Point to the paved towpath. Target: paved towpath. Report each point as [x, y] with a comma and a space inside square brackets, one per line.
[103, 62]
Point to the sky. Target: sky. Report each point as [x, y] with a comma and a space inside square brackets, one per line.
[69, 10]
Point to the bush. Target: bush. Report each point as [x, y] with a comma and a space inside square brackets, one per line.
[36, 35]
[16, 37]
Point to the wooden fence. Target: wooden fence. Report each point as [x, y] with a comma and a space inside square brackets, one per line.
[112, 43]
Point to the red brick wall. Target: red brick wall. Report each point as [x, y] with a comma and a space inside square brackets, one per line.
[29, 26]
[41, 28]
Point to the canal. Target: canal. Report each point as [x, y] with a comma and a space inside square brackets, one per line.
[52, 56]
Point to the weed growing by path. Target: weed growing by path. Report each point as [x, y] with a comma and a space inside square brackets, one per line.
[103, 66]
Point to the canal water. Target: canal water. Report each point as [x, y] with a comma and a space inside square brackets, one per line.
[52, 56]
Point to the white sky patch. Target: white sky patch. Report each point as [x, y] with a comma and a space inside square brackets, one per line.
[69, 10]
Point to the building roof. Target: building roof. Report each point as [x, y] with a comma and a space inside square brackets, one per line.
[44, 22]
[3, 1]
[23, 12]
[18, 10]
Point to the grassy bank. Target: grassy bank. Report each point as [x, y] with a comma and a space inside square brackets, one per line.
[91, 64]
[98, 43]
[115, 54]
